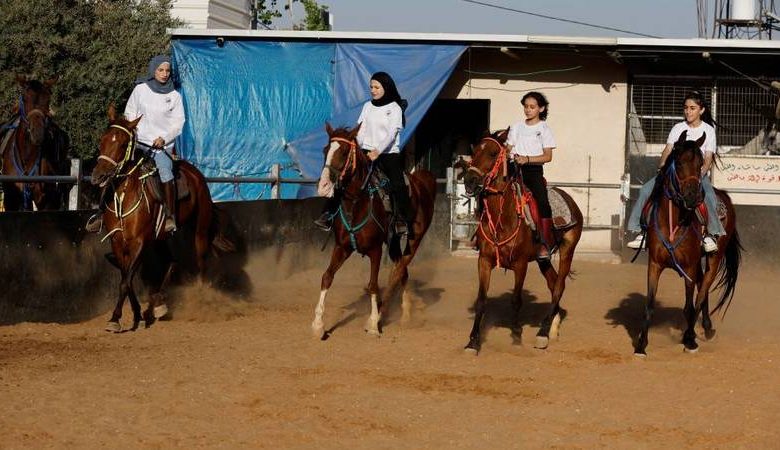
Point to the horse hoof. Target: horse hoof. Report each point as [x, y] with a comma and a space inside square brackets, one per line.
[640, 355]
[160, 311]
[541, 342]
[691, 350]
[709, 334]
[373, 332]
[114, 327]
[141, 324]
[317, 330]
[471, 351]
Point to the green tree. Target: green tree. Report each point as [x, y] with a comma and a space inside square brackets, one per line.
[316, 19]
[97, 48]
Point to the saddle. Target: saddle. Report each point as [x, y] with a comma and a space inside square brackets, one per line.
[381, 183]
[561, 213]
[148, 169]
[6, 132]
[701, 213]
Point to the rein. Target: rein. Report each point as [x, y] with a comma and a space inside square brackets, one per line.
[350, 167]
[673, 195]
[500, 164]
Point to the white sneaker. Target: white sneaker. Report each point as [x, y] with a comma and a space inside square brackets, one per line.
[637, 242]
[709, 244]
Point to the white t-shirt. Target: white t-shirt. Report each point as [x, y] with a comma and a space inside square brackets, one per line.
[530, 140]
[381, 127]
[709, 145]
[163, 115]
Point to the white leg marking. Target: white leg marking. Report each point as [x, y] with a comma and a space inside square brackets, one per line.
[318, 326]
[406, 306]
[554, 327]
[372, 326]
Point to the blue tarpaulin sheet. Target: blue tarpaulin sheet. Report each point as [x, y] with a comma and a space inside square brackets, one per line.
[252, 104]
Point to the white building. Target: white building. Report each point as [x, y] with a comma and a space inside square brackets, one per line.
[223, 14]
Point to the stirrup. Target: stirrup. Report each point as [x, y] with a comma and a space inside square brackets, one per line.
[94, 223]
[401, 228]
[170, 224]
[640, 241]
[710, 244]
[324, 222]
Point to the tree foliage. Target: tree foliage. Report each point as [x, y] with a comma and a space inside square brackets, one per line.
[97, 48]
[266, 11]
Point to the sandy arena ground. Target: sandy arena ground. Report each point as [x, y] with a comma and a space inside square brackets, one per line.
[229, 373]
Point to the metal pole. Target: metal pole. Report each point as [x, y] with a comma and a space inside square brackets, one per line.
[73, 195]
[276, 170]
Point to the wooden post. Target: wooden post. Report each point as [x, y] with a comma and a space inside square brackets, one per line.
[73, 196]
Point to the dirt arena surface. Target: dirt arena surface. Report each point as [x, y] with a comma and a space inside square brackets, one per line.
[228, 373]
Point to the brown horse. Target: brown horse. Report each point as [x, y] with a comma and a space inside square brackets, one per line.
[134, 215]
[32, 145]
[674, 241]
[361, 223]
[506, 240]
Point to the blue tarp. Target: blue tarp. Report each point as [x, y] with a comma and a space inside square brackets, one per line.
[251, 104]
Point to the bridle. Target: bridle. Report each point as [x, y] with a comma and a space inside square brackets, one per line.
[500, 164]
[350, 165]
[118, 166]
[673, 189]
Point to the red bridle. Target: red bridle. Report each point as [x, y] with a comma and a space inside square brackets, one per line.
[351, 157]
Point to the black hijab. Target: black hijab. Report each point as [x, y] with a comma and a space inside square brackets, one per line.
[391, 94]
[152, 82]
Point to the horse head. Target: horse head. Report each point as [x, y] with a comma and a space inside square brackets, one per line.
[116, 147]
[33, 108]
[683, 171]
[341, 159]
[488, 160]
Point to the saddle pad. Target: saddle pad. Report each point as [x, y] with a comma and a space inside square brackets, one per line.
[560, 210]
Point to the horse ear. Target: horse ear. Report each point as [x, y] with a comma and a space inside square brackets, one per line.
[700, 141]
[354, 132]
[50, 82]
[683, 137]
[502, 135]
[111, 113]
[328, 129]
[132, 124]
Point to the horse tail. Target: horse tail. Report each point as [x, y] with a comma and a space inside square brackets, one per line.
[729, 271]
[220, 224]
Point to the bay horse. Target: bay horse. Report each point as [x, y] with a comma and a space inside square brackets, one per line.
[32, 145]
[505, 239]
[674, 241]
[362, 223]
[134, 214]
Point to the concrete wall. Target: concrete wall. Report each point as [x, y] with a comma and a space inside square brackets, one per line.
[230, 14]
[51, 270]
[587, 95]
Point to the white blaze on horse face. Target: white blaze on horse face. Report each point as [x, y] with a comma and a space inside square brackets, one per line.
[325, 186]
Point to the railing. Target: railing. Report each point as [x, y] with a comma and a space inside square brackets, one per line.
[75, 178]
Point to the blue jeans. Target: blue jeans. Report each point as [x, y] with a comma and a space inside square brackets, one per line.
[164, 162]
[714, 226]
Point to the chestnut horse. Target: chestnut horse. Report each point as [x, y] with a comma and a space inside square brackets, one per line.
[32, 145]
[505, 239]
[361, 223]
[133, 216]
[674, 241]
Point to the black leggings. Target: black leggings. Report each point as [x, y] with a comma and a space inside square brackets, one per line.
[392, 165]
[533, 178]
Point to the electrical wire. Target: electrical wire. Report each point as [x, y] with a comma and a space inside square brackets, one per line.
[560, 19]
